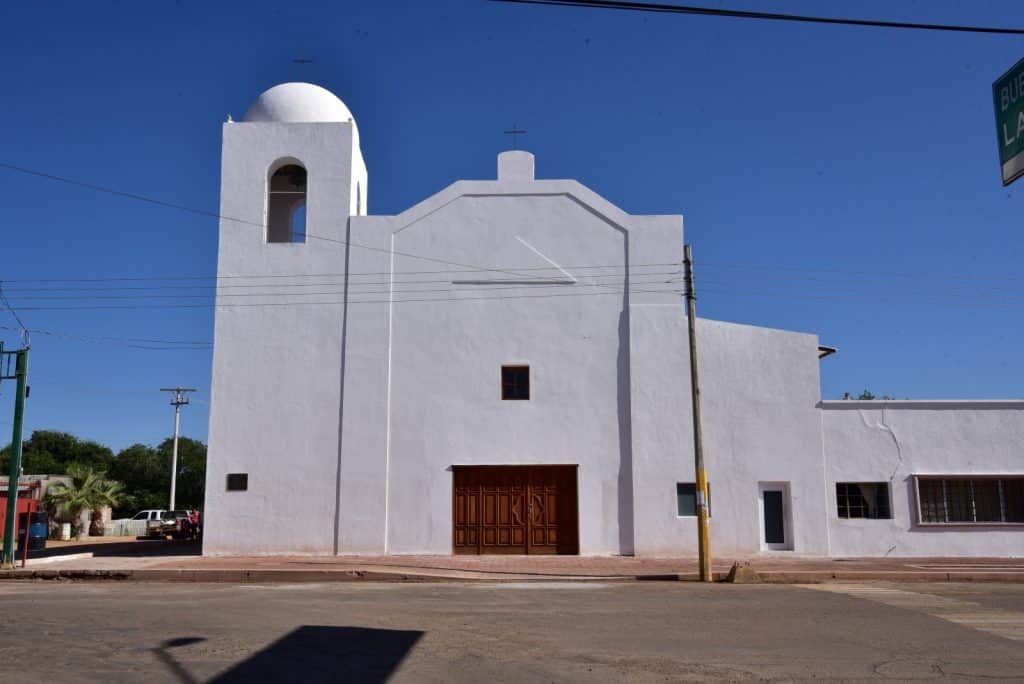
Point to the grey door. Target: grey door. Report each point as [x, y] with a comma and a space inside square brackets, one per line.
[774, 527]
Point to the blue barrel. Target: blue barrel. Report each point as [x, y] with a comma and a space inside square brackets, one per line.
[38, 529]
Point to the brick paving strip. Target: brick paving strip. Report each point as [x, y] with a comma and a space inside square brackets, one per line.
[141, 565]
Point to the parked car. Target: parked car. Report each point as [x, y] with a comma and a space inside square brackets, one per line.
[169, 524]
[148, 514]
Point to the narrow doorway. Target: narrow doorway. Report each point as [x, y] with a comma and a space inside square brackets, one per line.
[775, 516]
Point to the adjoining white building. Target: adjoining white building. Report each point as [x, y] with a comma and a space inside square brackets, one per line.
[502, 368]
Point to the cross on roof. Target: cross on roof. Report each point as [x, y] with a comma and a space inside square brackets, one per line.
[515, 132]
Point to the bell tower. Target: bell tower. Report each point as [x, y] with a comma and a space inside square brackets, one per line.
[293, 168]
[292, 175]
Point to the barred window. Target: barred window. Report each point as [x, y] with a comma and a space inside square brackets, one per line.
[971, 500]
[863, 500]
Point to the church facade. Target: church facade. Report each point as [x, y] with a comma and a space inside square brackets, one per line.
[503, 368]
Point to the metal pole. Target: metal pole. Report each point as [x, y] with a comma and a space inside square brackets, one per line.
[174, 453]
[703, 525]
[21, 375]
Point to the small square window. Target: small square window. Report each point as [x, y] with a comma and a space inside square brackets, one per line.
[686, 499]
[515, 382]
[238, 482]
[863, 500]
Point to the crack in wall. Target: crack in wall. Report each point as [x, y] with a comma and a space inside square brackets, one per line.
[896, 442]
[885, 427]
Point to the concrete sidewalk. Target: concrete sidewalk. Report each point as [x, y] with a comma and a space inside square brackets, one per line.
[774, 568]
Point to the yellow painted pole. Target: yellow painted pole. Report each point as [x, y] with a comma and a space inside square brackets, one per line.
[703, 524]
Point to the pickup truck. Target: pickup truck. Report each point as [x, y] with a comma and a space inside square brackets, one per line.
[169, 524]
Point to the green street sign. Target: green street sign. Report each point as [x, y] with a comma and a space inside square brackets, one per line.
[1008, 94]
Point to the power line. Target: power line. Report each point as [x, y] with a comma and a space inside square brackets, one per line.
[716, 269]
[17, 318]
[119, 193]
[221, 287]
[894, 274]
[342, 302]
[770, 16]
[203, 212]
[636, 285]
[862, 285]
[391, 252]
[137, 342]
[451, 287]
[460, 267]
[841, 283]
[939, 298]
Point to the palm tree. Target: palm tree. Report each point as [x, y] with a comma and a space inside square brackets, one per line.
[88, 492]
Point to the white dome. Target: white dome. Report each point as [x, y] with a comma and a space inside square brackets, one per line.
[298, 103]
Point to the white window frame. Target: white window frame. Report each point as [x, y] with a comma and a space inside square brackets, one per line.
[787, 516]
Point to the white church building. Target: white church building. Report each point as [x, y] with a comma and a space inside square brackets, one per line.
[503, 368]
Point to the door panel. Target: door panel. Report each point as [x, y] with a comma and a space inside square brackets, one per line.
[514, 509]
[501, 519]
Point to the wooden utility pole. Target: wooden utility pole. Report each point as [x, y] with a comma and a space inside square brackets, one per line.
[703, 525]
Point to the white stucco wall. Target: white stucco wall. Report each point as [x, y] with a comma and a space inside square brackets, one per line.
[444, 394]
[891, 441]
[276, 382]
[348, 409]
[759, 390]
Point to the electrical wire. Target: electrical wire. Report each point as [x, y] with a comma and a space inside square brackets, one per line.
[17, 318]
[203, 212]
[342, 302]
[460, 267]
[552, 269]
[136, 343]
[770, 16]
[774, 268]
[451, 287]
[232, 286]
[873, 298]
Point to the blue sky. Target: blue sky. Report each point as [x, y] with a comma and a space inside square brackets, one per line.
[835, 180]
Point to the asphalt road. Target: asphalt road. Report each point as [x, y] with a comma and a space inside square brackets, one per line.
[531, 632]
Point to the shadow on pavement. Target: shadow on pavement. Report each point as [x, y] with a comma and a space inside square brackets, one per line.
[135, 548]
[163, 654]
[319, 653]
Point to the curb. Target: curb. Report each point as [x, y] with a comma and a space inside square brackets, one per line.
[269, 576]
[59, 559]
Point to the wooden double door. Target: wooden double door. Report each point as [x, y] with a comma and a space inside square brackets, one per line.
[515, 509]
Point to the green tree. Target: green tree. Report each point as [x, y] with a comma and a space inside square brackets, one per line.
[51, 451]
[146, 472]
[79, 501]
[191, 485]
[866, 394]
